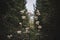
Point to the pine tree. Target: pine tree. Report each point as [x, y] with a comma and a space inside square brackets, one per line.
[47, 9]
[44, 6]
[10, 17]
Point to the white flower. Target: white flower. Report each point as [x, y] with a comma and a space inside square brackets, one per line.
[37, 12]
[22, 11]
[36, 18]
[27, 31]
[39, 27]
[37, 22]
[27, 28]
[9, 36]
[20, 23]
[23, 17]
[19, 32]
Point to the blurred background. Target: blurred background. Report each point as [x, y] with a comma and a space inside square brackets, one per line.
[15, 22]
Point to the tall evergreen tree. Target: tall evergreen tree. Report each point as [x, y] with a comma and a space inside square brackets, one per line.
[48, 17]
[10, 17]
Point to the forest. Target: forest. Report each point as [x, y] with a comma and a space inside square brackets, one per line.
[14, 24]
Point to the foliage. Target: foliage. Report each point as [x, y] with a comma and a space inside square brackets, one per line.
[10, 16]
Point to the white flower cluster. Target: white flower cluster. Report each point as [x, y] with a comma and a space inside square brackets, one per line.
[19, 32]
[23, 17]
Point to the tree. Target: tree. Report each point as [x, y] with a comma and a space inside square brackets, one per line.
[48, 17]
[10, 16]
